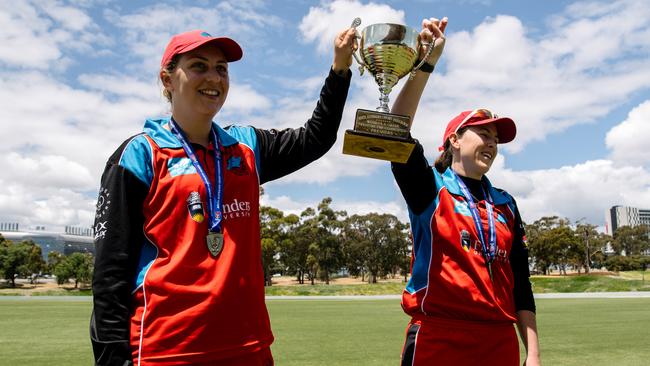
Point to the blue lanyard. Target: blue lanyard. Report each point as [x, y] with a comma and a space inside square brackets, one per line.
[214, 200]
[488, 252]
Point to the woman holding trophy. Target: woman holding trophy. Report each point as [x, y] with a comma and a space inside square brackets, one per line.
[178, 278]
[470, 278]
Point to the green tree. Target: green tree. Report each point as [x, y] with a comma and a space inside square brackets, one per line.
[76, 266]
[53, 260]
[551, 241]
[272, 234]
[320, 229]
[378, 242]
[294, 249]
[20, 259]
[594, 245]
[631, 240]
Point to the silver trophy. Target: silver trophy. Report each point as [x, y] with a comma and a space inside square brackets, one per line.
[389, 52]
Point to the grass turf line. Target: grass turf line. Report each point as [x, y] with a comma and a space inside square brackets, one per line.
[360, 333]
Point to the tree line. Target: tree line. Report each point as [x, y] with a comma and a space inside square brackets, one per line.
[554, 242]
[25, 260]
[321, 243]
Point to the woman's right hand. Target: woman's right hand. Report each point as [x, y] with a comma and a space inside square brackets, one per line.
[344, 45]
[433, 30]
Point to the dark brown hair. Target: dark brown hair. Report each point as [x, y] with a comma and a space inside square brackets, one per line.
[169, 68]
[444, 160]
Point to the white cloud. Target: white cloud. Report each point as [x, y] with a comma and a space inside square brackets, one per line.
[53, 207]
[148, 29]
[34, 34]
[560, 79]
[47, 170]
[289, 206]
[323, 23]
[629, 140]
[582, 190]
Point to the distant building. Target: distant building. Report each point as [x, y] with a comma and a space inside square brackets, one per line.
[618, 216]
[72, 240]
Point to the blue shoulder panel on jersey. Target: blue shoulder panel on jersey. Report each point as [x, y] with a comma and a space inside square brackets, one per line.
[147, 256]
[422, 237]
[245, 135]
[157, 129]
[422, 241]
[136, 158]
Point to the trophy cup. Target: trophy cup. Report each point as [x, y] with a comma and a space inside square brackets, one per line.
[389, 52]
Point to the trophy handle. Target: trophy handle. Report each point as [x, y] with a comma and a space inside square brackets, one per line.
[424, 59]
[362, 65]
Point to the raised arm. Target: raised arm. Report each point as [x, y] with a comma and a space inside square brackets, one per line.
[408, 98]
[285, 151]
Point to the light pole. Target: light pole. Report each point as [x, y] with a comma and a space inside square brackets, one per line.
[587, 259]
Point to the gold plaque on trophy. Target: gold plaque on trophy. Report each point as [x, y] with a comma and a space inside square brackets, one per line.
[389, 52]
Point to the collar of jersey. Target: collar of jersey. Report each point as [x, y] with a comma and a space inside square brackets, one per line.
[449, 179]
[159, 131]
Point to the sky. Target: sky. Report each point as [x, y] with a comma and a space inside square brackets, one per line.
[78, 77]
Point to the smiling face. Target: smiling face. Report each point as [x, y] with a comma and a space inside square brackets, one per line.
[199, 84]
[474, 150]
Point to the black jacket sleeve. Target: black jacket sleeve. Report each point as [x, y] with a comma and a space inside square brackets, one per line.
[283, 152]
[118, 242]
[522, 292]
[416, 180]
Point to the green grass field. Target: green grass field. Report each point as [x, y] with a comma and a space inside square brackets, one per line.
[336, 332]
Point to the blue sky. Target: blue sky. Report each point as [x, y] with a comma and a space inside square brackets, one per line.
[78, 77]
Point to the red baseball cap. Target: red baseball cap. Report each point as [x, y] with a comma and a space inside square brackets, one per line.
[188, 41]
[506, 128]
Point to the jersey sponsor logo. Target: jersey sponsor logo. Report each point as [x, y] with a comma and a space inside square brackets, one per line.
[461, 207]
[237, 165]
[236, 209]
[100, 229]
[103, 202]
[474, 247]
[465, 240]
[180, 166]
[195, 207]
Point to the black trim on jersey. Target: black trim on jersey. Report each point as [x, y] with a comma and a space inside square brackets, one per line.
[116, 259]
[417, 183]
[285, 151]
[416, 180]
[408, 352]
[523, 291]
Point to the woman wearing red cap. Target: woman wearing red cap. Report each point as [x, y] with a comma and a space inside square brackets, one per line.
[470, 278]
[178, 278]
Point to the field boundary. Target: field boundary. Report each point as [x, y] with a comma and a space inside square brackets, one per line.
[556, 295]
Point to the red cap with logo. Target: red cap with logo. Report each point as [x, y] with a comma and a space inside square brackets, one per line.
[188, 41]
[506, 128]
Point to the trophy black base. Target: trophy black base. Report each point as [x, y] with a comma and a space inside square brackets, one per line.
[370, 145]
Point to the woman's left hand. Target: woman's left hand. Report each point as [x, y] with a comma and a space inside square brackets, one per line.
[433, 33]
[344, 45]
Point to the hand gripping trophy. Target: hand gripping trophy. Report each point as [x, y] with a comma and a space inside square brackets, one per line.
[389, 52]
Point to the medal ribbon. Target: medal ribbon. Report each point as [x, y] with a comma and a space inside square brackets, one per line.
[214, 198]
[489, 252]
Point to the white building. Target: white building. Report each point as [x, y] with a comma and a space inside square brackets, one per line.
[618, 216]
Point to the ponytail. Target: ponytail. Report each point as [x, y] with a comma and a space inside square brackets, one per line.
[445, 159]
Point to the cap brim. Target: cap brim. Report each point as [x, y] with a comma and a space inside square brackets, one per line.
[229, 47]
[506, 128]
